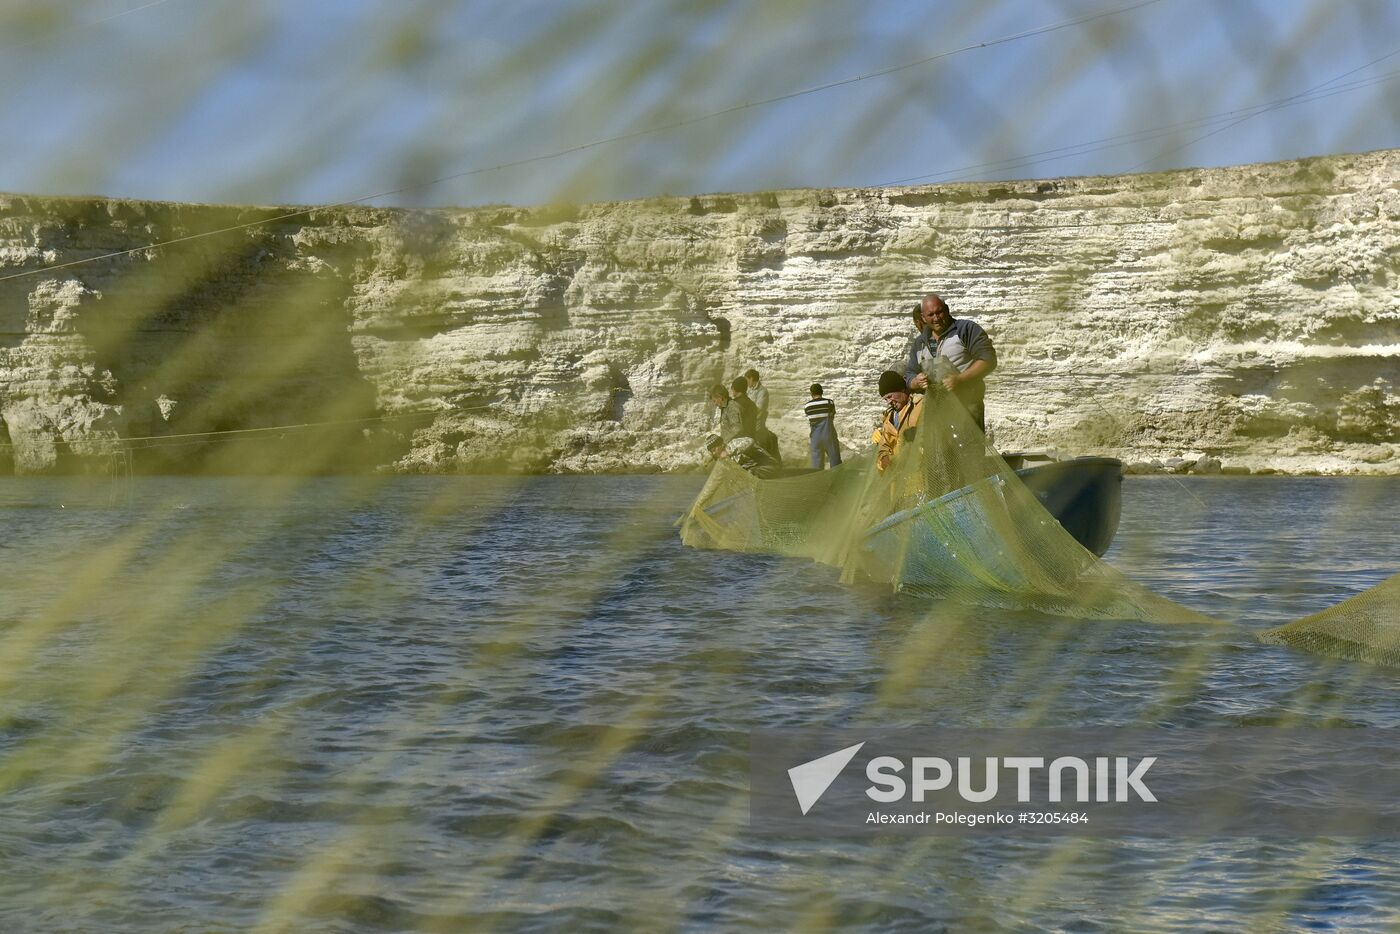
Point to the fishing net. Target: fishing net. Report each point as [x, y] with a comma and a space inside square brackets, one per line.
[947, 519]
[1365, 628]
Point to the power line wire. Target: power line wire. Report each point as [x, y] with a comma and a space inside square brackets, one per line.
[1282, 103]
[1148, 133]
[634, 134]
[88, 24]
[108, 19]
[955, 174]
[1074, 149]
[225, 433]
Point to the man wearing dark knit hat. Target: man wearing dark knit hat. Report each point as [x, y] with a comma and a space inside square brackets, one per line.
[901, 418]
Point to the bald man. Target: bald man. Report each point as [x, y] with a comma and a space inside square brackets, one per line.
[963, 344]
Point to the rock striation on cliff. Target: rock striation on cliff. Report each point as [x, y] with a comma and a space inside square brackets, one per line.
[1247, 317]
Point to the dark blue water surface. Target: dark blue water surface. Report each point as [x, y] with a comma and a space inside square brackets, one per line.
[462, 703]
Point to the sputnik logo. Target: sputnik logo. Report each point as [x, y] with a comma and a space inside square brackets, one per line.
[810, 780]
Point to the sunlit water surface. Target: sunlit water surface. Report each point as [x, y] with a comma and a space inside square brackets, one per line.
[448, 703]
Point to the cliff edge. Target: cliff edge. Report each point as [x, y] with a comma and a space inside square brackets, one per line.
[1247, 315]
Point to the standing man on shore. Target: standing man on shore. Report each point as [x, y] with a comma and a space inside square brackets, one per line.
[965, 346]
[748, 412]
[758, 394]
[822, 446]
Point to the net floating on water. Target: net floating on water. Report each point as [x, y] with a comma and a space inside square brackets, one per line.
[1363, 628]
[948, 520]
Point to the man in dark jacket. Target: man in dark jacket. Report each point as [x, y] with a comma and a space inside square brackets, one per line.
[739, 390]
[960, 341]
[739, 396]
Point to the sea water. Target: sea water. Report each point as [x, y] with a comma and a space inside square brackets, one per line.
[455, 703]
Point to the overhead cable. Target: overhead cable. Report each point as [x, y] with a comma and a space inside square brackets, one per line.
[1147, 133]
[87, 24]
[688, 121]
[1284, 102]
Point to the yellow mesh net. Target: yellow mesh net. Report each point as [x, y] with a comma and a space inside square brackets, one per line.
[1365, 628]
[948, 519]
[951, 520]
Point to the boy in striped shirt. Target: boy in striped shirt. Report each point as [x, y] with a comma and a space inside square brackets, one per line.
[821, 419]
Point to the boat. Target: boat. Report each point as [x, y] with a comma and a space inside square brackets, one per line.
[934, 545]
[1084, 494]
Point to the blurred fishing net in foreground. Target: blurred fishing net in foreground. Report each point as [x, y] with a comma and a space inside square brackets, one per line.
[222, 704]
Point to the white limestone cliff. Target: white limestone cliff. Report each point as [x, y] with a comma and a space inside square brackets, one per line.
[1247, 315]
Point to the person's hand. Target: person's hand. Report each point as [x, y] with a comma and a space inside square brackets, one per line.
[949, 382]
[919, 382]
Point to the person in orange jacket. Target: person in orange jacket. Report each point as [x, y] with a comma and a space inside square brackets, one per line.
[901, 418]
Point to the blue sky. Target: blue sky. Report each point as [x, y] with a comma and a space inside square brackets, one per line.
[316, 101]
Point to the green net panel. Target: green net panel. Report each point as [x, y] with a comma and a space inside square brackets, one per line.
[949, 519]
[1365, 628]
